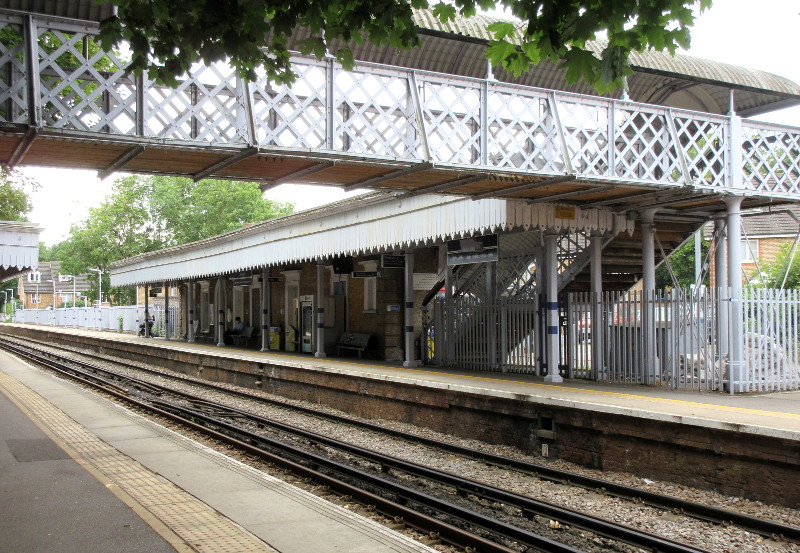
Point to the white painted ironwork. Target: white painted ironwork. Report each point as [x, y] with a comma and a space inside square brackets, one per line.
[377, 112]
[363, 225]
[688, 352]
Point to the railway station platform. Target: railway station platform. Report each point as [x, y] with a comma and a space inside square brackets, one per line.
[81, 475]
[708, 440]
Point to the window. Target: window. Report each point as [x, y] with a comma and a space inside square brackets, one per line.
[370, 287]
[749, 251]
[35, 276]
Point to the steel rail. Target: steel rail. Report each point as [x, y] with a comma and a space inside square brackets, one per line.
[764, 527]
[527, 505]
[246, 441]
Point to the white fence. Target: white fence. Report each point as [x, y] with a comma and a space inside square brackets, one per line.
[692, 334]
[126, 318]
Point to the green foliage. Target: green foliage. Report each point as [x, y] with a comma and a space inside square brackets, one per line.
[145, 214]
[773, 274]
[682, 262]
[166, 37]
[15, 204]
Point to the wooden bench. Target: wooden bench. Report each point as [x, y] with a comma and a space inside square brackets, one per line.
[353, 341]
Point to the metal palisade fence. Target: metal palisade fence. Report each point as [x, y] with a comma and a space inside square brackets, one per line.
[692, 333]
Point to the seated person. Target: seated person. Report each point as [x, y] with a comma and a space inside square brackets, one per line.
[237, 330]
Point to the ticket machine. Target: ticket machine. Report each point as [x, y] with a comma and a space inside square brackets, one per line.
[307, 321]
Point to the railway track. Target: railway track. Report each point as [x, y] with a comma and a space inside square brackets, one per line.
[219, 419]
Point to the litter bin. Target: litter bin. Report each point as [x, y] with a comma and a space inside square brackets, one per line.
[290, 338]
[274, 337]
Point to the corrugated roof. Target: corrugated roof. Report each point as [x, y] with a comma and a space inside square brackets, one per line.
[458, 47]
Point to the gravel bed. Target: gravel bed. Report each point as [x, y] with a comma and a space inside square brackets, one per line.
[713, 537]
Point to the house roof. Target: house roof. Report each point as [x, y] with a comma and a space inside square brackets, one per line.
[779, 221]
[50, 270]
[459, 46]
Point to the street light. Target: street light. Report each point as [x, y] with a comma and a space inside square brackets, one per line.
[99, 294]
[54, 299]
[74, 315]
[99, 285]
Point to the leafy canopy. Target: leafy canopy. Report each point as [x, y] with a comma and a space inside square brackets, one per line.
[145, 214]
[167, 37]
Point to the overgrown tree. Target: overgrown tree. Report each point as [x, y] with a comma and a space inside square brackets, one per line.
[167, 37]
[144, 214]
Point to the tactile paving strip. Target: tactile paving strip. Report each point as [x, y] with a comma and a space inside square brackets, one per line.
[168, 509]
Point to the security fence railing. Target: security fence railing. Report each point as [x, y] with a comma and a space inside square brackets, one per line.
[682, 339]
[692, 333]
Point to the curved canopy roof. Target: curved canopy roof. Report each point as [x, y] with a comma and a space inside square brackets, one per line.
[458, 47]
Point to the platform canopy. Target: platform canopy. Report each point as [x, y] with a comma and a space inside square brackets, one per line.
[368, 224]
[19, 248]
[458, 47]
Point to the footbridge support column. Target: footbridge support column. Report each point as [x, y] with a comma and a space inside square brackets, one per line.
[650, 368]
[597, 325]
[721, 283]
[552, 337]
[735, 345]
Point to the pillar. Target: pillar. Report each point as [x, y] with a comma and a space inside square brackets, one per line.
[597, 324]
[146, 311]
[721, 284]
[219, 293]
[448, 336]
[165, 286]
[320, 301]
[491, 299]
[408, 295]
[648, 296]
[190, 290]
[551, 306]
[266, 305]
[735, 340]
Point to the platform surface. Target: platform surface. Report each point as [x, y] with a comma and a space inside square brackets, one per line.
[79, 474]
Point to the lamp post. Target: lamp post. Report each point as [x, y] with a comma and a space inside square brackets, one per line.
[54, 299]
[99, 293]
[99, 285]
[74, 316]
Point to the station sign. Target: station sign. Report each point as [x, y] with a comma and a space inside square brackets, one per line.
[366, 274]
[392, 261]
[242, 281]
[274, 279]
[153, 292]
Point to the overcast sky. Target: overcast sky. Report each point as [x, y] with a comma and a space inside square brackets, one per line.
[759, 35]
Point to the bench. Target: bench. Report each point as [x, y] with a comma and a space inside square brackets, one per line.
[205, 336]
[352, 341]
[244, 336]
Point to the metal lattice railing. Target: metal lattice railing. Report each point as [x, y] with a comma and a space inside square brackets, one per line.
[52, 75]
